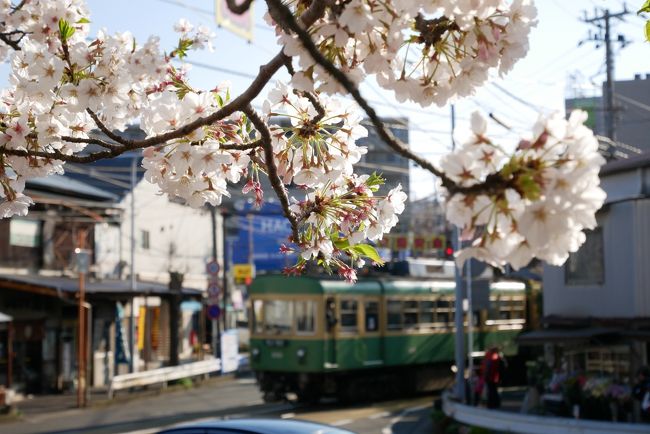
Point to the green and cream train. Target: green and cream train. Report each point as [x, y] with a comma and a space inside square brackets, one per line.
[315, 336]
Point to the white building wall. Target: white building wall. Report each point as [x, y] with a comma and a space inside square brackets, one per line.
[180, 239]
[641, 255]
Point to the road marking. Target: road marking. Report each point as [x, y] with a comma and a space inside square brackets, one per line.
[342, 422]
[288, 415]
[388, 429]
[247, 381]
[379, 415]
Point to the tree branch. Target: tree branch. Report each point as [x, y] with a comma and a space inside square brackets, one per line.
[272, 170]
[6, 38]
[90, 141]
[242, 147]
[240, 8]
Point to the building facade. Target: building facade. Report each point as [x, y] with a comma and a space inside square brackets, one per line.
[597, 306]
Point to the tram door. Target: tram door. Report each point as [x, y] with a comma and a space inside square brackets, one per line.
[374, 352]
[331, 321]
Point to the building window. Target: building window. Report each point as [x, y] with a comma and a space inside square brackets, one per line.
[144, 239]
[586, 266]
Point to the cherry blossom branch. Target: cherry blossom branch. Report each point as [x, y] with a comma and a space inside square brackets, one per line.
[240, 8]
[272, 170]
[284, 17]
[266, 72]
[243, 147]
[90, 141]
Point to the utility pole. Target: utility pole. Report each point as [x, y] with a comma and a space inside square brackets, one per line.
[459, 337]
[82, 258]
[602, 22]
[134, 287]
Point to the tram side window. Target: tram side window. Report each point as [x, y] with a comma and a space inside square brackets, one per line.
[444, 311]
[349, 315]
[493, 312]
[305, 317]
[258, 321]
[427, 315]
[394, 310]
[372, 316]
[512, 308]
[410, 314]
[278, 316]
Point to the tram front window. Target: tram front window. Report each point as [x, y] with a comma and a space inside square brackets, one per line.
[278, 317]
[305, 317]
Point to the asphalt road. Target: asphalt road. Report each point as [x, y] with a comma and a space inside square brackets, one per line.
[231, 398]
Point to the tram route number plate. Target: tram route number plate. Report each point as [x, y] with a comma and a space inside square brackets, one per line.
[276, 355]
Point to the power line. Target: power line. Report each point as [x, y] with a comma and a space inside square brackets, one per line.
[534, 107]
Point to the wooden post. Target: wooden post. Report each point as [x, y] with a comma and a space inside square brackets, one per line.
[81, 360]
[81, 344]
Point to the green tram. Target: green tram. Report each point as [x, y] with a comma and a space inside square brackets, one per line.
[315, 336]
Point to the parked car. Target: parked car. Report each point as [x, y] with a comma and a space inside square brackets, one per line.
[255, 426]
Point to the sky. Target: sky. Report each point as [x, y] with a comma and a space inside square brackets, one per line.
[557, 65]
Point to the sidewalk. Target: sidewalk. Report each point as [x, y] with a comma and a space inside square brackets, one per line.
[56, 403]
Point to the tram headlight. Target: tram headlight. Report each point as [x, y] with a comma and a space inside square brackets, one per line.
[255, 352]
[301, 353]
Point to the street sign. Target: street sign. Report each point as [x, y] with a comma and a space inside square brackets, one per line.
[214, 290]
[82, 260]
[241, 272]
[212, 268]
[214, 311]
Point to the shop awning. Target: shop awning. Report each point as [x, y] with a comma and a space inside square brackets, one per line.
[540, 337]
[59, 286]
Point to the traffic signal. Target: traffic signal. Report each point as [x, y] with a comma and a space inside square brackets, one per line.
[449, 251]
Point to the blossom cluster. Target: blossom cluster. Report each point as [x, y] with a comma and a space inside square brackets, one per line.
[338, 217]
[314, 145]
[550, 197]
[194, 168]
[64, 83]
[61, 77]
[424, 51]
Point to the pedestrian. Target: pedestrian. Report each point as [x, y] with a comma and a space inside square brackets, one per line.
[641, 392]
[491, 369]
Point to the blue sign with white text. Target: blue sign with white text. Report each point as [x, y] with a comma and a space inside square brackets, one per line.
[262, 232]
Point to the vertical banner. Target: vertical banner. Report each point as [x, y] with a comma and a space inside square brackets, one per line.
[229, 351]
[142, 321]
[241, 25]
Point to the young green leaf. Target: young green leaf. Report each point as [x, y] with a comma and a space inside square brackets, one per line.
[647, 31]
[65, 30]
[369, 252]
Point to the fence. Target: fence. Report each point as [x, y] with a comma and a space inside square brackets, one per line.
[162, 375]
[529, 424]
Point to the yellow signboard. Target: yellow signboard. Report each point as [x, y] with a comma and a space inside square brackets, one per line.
[242, 271]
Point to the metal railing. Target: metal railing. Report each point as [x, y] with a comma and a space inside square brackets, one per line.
[162, 375]
[530, 424]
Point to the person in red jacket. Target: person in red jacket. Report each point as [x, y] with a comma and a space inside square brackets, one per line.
[491, 368]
